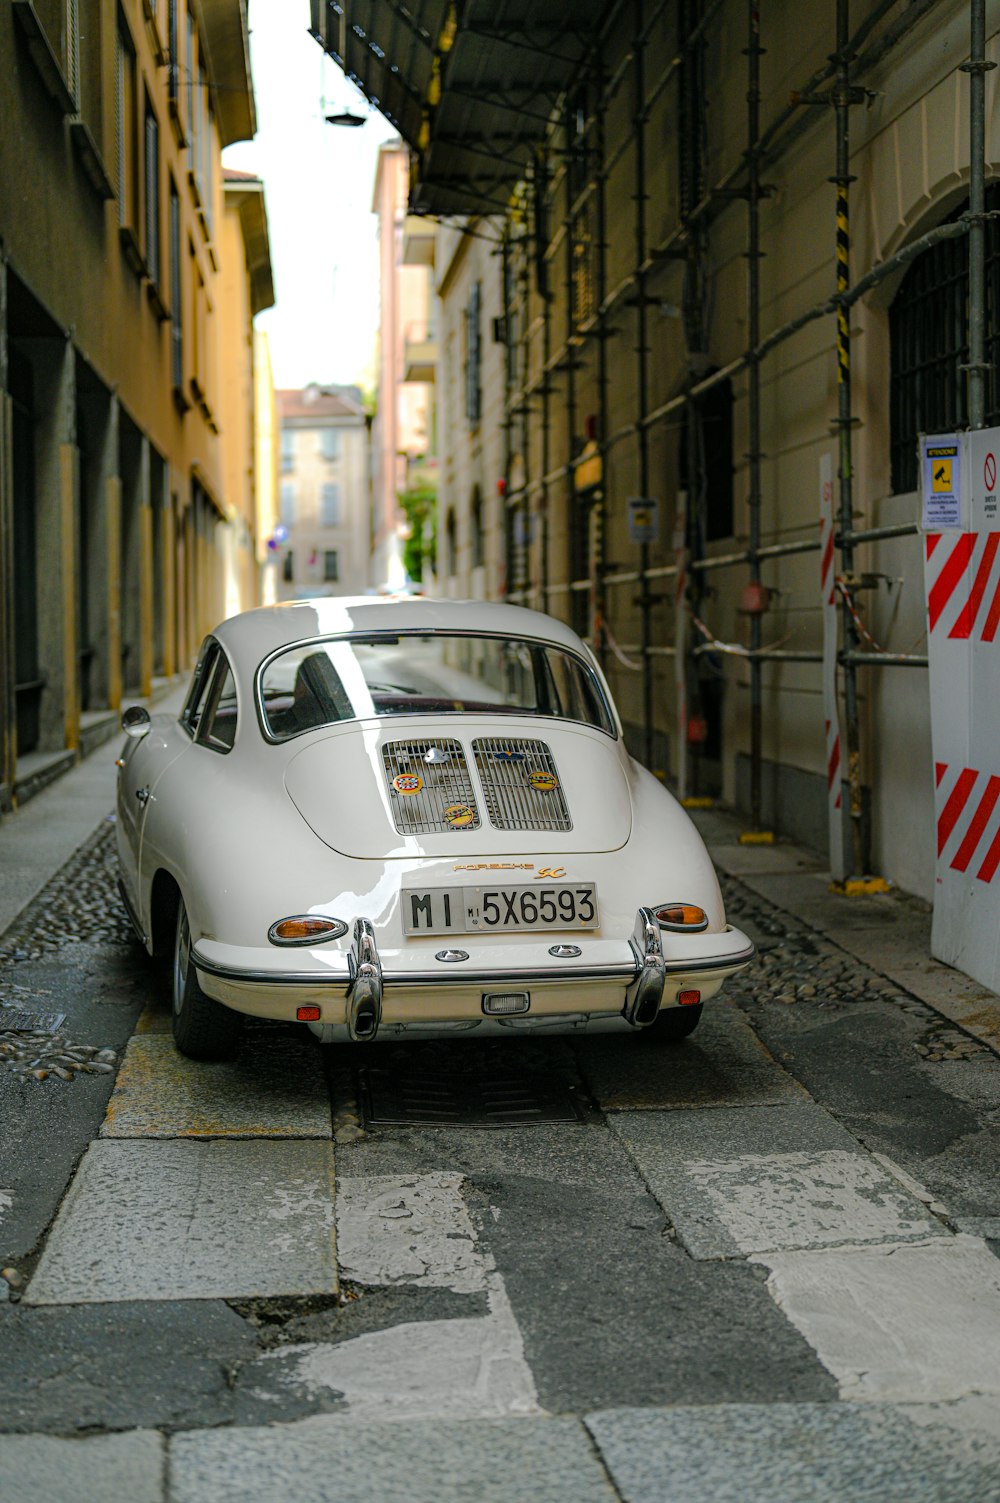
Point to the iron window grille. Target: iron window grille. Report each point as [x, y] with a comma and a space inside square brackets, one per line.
[928, 335]
[473, 356]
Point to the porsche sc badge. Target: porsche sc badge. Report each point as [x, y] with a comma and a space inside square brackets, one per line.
[408, 782]
[459, 816]
[543, 782]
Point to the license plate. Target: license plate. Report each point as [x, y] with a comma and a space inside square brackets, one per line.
[490, 910]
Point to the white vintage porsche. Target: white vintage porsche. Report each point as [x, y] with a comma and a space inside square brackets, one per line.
[392, 818]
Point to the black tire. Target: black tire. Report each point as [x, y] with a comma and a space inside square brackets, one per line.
[203, 1028]
[674, 1024]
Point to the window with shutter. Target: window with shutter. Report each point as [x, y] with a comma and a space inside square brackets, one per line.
[176, 324]
[330, 504]
[73, 49]
[152, 182]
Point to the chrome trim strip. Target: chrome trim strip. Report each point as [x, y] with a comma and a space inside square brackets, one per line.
[132, 916]
[269, 978]
[555, 974]
[720, 963]
[359, 633]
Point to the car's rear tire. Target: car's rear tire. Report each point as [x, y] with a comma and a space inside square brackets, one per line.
[203, 1028]
[674, 1024]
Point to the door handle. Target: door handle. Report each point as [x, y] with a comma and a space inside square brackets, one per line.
[142, 794]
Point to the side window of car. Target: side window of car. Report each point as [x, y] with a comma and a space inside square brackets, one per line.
[217, 728]
[197, 698]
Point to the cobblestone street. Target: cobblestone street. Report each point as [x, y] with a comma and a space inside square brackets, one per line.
[764, 1256]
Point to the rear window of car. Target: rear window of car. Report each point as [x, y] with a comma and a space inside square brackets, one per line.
[447, 673]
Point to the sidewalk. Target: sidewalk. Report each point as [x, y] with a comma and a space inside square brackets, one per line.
[890, 932]
[39, 838]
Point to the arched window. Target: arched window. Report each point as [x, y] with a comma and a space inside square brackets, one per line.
[476, 523]
[929, 345]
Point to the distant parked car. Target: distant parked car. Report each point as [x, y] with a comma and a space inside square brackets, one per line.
[396, 818]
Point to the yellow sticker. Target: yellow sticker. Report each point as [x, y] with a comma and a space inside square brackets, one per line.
[459, 816]
[941, 476]
[543, 782]
[408, 782]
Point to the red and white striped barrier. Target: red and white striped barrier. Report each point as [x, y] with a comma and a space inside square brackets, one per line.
[962, 578]
[831, 713]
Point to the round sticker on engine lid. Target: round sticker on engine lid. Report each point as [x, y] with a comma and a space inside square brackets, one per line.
[459, 816]
[543, 782]
[408, 782]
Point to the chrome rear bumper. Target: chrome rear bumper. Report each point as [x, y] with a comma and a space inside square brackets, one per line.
[641, 982]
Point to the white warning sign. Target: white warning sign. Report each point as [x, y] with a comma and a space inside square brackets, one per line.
[941, 481]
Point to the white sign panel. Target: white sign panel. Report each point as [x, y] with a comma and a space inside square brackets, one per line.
[643, 520]
[941, 480]
[962, 571]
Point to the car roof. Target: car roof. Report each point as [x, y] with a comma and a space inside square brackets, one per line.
[254, 635]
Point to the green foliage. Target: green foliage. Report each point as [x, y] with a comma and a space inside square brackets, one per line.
[419, 503]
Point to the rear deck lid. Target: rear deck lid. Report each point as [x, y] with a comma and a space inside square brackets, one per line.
[376, 791]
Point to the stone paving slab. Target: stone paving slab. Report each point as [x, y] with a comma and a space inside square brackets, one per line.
[905, 1323]
[773, 1177]
[141, 1365]
[722, 1064]
[786, 1453]
[333, 1460]
[188, 1220]
[469, 1367]
[273, 1089]
[409, 1228]
[98, 1469]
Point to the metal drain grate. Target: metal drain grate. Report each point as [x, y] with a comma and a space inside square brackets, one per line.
[392, 1100]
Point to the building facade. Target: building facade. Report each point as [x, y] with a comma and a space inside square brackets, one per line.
[677, 196]
[323, 533]
[404, 441]
[129, 277]
[471, 391]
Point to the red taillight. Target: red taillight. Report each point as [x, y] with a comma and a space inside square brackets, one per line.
[307, 1014]
[681, 916]
[305, 929]
[689, 999]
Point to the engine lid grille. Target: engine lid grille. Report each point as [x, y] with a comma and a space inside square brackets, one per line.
[520, 784]
[429, 786]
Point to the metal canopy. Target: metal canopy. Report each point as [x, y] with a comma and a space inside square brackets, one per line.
[469, 87]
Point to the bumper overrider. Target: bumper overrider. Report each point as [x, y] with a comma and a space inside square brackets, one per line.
[656, 969]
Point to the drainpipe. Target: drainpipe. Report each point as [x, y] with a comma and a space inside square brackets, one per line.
[645, 595]
[977, 67]
[599, 559]
[508, 421]
[843, 179]
[753, 398]
[546, 388]
[571, 363]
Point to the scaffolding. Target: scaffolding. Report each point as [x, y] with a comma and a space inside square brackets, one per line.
[837, 87]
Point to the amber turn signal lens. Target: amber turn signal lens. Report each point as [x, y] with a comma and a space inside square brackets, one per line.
[305, 929]
[307, 1014]
[681, 916]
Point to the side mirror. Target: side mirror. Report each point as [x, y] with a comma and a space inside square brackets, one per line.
[136, 721]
